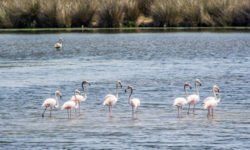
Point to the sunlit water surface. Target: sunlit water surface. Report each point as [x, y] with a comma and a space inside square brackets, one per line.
[155, 64]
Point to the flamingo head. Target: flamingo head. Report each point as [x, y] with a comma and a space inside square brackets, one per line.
[59, 93]
[216, 89]
[120, 82]
[188, 84]
[198, 81]
[77, 91]
[60, 39]
[85, 82]
[129, 87]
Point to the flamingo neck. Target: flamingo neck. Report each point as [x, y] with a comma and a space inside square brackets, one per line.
[197, 90]
[75, 99]
[214, 94]
[116, 95]
[131, 92]
[85, 94]
[57, 103]
[185, 92]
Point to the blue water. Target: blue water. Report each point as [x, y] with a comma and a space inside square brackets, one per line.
[156, 64]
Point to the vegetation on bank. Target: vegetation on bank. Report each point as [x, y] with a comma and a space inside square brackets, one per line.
[123, 13]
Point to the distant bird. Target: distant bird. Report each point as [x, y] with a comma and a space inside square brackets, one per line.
[51, 102]
[110, 99]
[79, 98]
[181, 101]
[70, 104]
[211, 102]
[134, 102]
[194, 98]
[59, 45]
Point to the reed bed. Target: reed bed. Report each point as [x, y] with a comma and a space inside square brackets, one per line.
[117, 13]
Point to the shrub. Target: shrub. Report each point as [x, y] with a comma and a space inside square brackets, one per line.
[131, 13]
[48, 14]
[83, 13]
[111, 13]
[166, 13]
[22, 13]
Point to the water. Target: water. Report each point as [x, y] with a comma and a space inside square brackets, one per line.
[155, 64]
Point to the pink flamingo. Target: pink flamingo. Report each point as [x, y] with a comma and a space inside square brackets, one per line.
[51, 102]
[70, 104]
[110, 99]
[134, 102]
[211, 102]
[79, 98]
[194, 98]
[181, 101]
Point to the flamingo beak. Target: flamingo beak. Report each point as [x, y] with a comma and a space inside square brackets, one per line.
[190, 87]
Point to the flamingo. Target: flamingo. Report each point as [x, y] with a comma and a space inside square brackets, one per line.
[211, 102]
[79, 98]
[110, 99]
[134, 102]
[59, 45]
[194, 98]
[70, 104]
[51, 102]
[181, 101]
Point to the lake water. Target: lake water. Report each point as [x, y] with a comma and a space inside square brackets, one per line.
[156, 64]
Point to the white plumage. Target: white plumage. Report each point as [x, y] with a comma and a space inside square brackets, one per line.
[135, 102]
[69, 105]
[110, 99]
[180, 101]
[50, 102]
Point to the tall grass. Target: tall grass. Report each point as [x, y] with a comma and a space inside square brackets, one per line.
[116, 13]
[22, 13]
[111, 13]
[84, 12]
[131, 12]
[166, 12]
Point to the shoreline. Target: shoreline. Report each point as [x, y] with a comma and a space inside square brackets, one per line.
[128, 29]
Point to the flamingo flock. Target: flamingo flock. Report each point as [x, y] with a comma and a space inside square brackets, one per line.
[110, 100]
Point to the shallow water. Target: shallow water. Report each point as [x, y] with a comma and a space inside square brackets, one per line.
[155, 64]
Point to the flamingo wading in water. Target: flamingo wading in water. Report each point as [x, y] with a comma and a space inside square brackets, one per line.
[51, 102]
[194, 98]
[70, 104]
[134, 102]
[110, 99]
[181, 101]
[79, 98]
[211, 102]
[60, 44]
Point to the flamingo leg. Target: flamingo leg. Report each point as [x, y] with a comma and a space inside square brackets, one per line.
[212, 112]
[194, 109]
[44, 111]
[70, 113]
[181, 111]
[188, 109]
[75, 110]
[79, 107]
[178, 111]
[132, 111]
[50, 112]
[208, 112]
